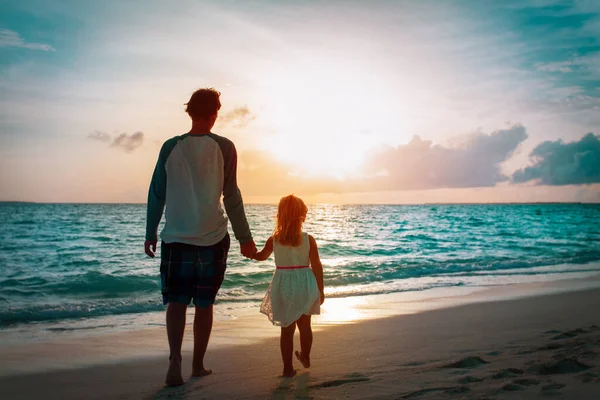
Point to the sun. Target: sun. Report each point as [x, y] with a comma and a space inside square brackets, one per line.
[328, 114]
[323, 133]
[319, 153]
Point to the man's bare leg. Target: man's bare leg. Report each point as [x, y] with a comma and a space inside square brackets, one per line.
[175, 329]
[306, 339]
[203, 321]
[286, 343]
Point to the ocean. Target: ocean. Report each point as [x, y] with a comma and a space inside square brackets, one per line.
[81, 265]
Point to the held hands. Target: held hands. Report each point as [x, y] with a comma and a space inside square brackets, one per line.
[150, 247]
[248, 249]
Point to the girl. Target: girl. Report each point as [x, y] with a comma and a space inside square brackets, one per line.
[296, 291]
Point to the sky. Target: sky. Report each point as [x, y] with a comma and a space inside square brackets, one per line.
[335, 101]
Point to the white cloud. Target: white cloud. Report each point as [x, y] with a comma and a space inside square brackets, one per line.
[418, 165]
[423, 165]
[10, 38]
[561, 66]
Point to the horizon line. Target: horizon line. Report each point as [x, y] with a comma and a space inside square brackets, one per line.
[324, 203]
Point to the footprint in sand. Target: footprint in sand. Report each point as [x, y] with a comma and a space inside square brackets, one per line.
[414, 364]
[552, 388]
[469, 362]
[457, 390]
[588, 354]
[469, 379]
[512, 387]
[527, 382]
[588, 377]
[444, 389]
[523, 352]
[508, 373]
[569, 334]
[552, 332]
[564, 366]
[551, 346]
[350, 378]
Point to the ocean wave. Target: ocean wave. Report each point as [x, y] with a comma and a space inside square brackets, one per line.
[92, 284]
[78, 261]
[87, 309]
[234, 295]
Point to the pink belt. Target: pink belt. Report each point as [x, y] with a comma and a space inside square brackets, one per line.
[293, 267]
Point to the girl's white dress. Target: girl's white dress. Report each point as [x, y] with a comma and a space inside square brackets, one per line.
[293, 291]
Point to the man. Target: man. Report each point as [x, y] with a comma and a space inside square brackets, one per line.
[192, 172]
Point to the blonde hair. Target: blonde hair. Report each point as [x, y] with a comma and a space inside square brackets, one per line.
[291, 213]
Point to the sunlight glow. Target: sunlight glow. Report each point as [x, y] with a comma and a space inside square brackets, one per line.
[342, 310]
[324, 117]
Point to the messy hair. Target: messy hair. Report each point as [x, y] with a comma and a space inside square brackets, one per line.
[204, 103]
[291, 213]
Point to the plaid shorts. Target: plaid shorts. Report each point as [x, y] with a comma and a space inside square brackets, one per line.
[192, 272]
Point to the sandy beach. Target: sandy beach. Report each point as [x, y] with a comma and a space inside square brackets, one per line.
[512, 342]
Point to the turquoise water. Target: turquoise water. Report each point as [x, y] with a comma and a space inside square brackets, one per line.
[60, 262]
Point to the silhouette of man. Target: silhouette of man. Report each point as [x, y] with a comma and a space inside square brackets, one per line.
[192, 172]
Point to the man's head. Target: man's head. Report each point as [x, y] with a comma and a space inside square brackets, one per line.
[204, 105]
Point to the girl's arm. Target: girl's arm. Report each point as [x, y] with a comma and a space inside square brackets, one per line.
[266, 251]
[315, 264]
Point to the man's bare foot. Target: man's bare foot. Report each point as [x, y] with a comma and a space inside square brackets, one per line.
[289, 374]
[305, 361]
[174, 377]
[201, 372]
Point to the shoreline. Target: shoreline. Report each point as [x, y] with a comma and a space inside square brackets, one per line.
[500, 347]
[364, 305]
[76, 350]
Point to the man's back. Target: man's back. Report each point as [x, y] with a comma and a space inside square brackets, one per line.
[191, 174]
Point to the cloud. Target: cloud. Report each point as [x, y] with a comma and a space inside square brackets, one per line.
[100, 136]
[559, 66]
[123, 141]
[559, 163]
[10, 38]
[422, 165]
[238, 117]
[474, 161]
[128, 142]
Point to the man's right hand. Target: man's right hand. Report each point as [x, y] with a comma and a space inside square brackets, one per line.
[248, 249]
[150, 247]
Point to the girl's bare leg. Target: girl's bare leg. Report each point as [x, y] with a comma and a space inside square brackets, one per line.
[286, 344]
[306, 339]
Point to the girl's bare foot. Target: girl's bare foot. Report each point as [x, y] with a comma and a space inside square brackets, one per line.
[305, 361]
[201, 372]
[289, 374]
[174, 377]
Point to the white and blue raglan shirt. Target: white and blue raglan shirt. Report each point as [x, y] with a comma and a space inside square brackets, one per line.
[191, 174]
